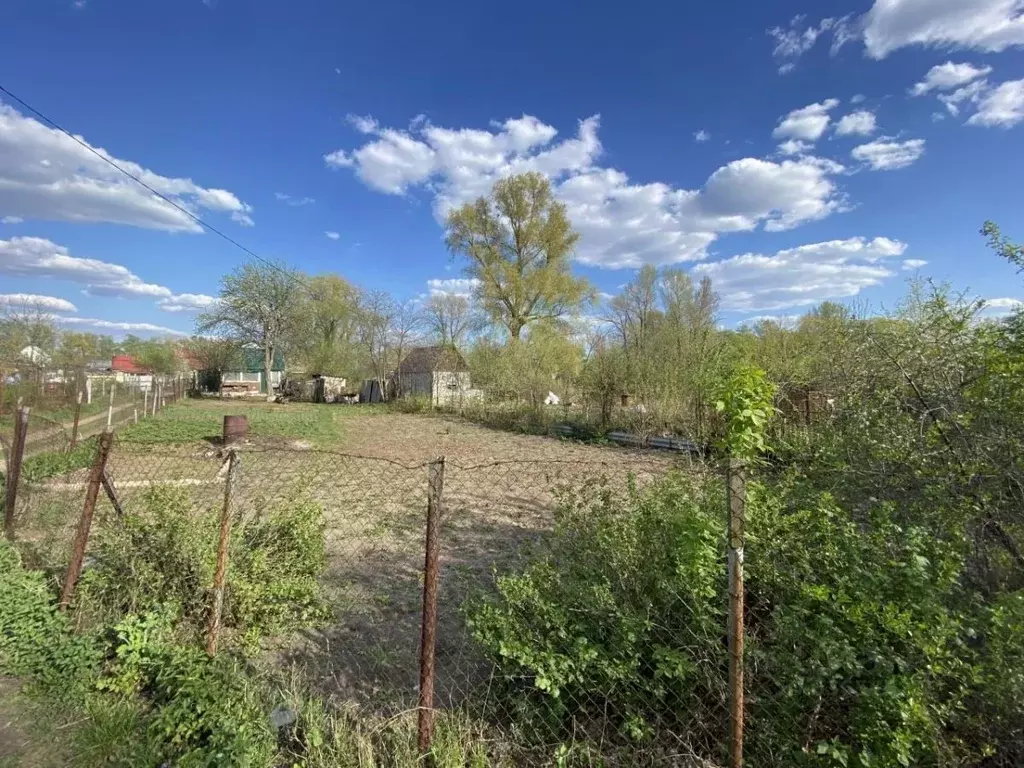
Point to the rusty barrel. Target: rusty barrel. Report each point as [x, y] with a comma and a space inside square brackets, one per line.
[235, 429]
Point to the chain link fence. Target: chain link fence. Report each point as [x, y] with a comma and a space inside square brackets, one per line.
[385, 631]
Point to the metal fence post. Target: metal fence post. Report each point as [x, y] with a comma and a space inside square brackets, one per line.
[220, 573]
[99, 467]
[431, 578]
[737, 499]
[78, 416]
[14, 470]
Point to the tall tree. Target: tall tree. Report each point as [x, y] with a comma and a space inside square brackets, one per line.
[449, 319]
[518, 242]
[327, 328]
[256, 306]
[376, 317]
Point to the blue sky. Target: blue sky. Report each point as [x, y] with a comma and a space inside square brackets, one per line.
[793, 151]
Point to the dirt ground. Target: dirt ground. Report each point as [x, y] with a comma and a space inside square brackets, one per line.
[500, 492]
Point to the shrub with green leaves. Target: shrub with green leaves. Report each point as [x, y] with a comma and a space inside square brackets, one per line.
[863, 647]
[165, 553]
[35, 639]
[620, 614]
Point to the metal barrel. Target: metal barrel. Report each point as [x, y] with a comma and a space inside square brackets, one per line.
[235, 429]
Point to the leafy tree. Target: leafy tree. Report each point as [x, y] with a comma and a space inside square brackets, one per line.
[256, 306]
[518, 242]
[327, 325]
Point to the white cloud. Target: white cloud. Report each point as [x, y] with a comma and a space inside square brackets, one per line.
[801, 276]
[860, 123]
[970, 94]
[24, 301]
[11, 220]
[701, 136]
[293, 201]
[946, 77]
[938, 117]
[333, 235]
[888, 153]
[795, 147]
[794, 41]
[187, 302]
[38, 257]
[44, 174]
[807, 123]
[984, 25]
[363, 124]
[621, 223]
[911, 264]
[1003, 106]
[457, 286]
[858, 98]
[1001, 306]
[108, 325]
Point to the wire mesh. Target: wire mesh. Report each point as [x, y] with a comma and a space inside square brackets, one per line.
[496, 516]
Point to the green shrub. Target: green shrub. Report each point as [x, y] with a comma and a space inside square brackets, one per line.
[864, 647]
[620, 614]
[166, 555]
[36, 640]
[195, 710]
[276, 564]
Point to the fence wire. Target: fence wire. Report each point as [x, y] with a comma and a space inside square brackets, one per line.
[495, 517]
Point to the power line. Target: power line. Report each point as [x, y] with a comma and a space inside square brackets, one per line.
[143, 184]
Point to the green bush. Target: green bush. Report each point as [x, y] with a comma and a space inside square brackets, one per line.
[621, 613]
[193, 710]
[863, 647]
[166, 555]
[36, 640]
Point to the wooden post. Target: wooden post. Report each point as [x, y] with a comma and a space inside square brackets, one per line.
[92, 492]
[431, 578]
[145, 402]
[110, 407]
[74, 425]
[17, 455]
[108, 486]
[220, 573]
[737, 499]
[88, 390]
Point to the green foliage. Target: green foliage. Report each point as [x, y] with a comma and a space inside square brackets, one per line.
[622, 611]
[277, 561]
[747, 400]
[166, 556]
[518, 242]
[35, 469]
[197, 709]
[864, 649]
[35, 639]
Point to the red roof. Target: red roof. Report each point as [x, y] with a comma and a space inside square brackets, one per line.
[125, 364]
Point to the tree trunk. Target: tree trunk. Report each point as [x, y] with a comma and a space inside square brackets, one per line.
[268, 364]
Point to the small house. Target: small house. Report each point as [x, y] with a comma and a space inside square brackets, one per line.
[437, 373]
[249, 378]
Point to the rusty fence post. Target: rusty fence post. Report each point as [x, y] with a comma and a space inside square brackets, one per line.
[736, 480]
[14, 461]
[431, 578]
[78, 417]
[220, 574]
[92, 491]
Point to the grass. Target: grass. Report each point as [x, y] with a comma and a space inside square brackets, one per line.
[195, 420]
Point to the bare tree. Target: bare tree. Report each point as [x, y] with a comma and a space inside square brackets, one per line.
[256, 306]
[376, 316]
[449, 319]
